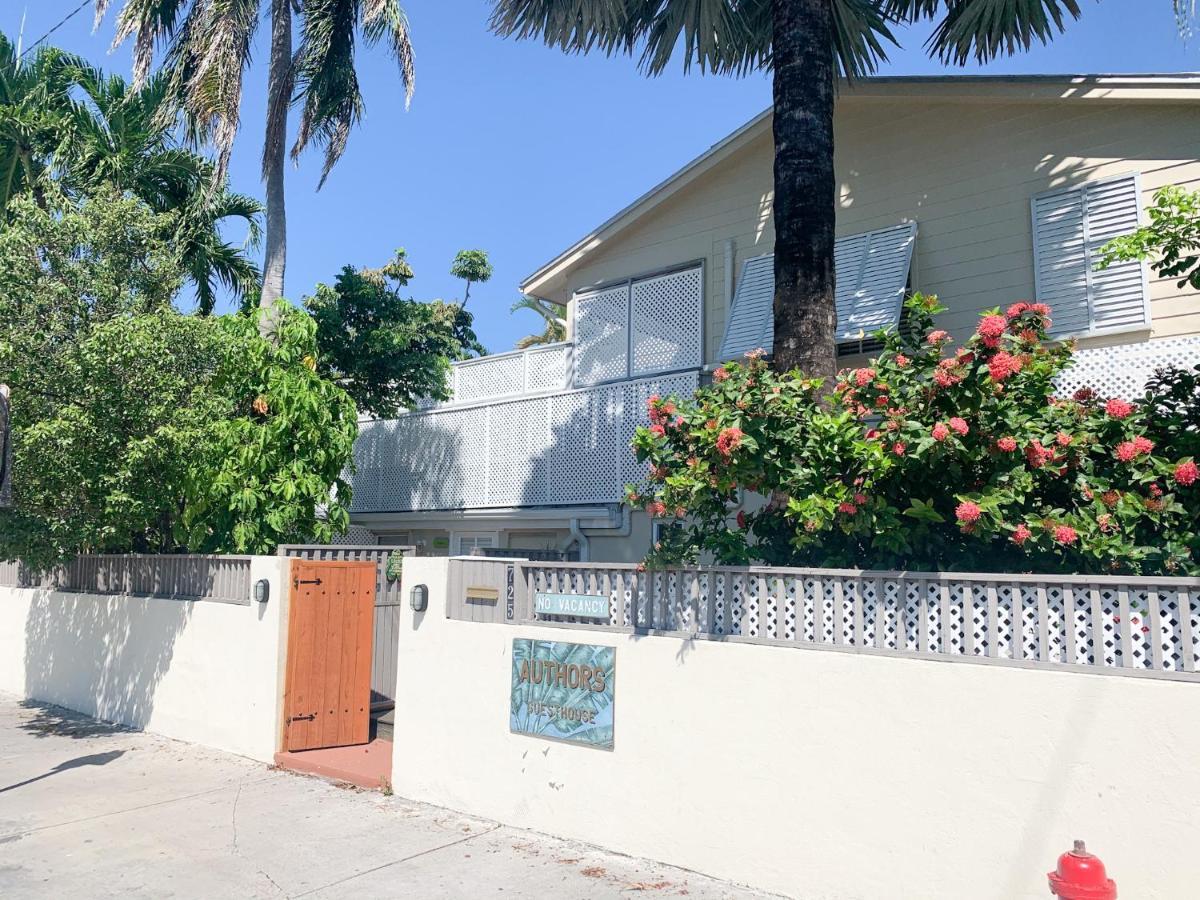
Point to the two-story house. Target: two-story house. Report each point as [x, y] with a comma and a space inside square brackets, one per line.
[981, 190]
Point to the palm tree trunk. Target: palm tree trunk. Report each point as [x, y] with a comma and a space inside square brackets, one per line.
[804, 84]
[279, 95]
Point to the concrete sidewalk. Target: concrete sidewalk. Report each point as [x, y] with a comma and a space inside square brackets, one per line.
[91, 810]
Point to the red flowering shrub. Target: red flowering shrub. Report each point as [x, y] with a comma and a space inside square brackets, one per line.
[932, 457]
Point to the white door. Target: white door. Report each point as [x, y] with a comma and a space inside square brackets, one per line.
[466, 541]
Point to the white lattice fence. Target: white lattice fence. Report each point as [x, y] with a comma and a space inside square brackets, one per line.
[1122, 371]
[1134, 624]
[569, 447]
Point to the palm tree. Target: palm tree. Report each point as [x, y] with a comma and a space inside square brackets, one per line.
[115, 135]
[33, 94]
[555, 317]
[807, 44]
[208, 53]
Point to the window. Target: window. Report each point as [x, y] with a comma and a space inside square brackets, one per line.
[640, 327]
[872, 277]
[1069, 228]
[466, 541]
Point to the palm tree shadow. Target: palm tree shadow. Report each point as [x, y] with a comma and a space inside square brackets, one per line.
[92, 759]
[57, 721]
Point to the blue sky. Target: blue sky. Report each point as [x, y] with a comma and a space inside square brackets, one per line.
[520, 150]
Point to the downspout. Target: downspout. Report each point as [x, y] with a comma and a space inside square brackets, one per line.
[585, 554]
[729, 247]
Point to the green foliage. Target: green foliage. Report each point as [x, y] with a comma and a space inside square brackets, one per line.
[471, 266]
[928, 460]
[139, 428]
[94, 135]
[387, 352]
[717, 36]
[1171, 240]
[553, 314]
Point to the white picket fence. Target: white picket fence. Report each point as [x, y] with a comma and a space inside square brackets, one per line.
[1148, 626]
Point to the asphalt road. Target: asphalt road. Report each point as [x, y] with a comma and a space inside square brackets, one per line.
[91, 810]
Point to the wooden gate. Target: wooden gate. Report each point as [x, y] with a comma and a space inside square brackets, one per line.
[327, 692]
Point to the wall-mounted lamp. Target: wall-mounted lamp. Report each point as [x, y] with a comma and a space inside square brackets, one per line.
[262, 590]
[418, 597]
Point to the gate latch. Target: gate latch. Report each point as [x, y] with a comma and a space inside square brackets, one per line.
[307, 718]
[296, 582]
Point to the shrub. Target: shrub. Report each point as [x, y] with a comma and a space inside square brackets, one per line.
[930, 457]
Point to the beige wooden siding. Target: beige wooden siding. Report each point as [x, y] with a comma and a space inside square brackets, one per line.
[965, 171]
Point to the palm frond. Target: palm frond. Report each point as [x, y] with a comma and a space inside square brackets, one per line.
[149, 23]
[326, 81]
[385, 20]
[985, 29]
[719, 36]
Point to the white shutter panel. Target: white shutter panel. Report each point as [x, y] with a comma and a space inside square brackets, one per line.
[1118, 293]
[602, 335]
[751, 315]
[1069, 228]
[872, 274]
[667, 312]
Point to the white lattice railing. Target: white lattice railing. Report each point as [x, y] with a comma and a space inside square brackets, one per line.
[533, 371]
[571, 447]
[1138, 625]
[1123, 370]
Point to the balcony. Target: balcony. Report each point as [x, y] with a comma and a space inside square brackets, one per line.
[555, 448]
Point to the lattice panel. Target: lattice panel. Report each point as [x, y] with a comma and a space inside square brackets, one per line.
[517, 446]
[546, 369]
[553, 449]
[602, 335]
[1122, 371]
[491, 376]
[667, 315]
[1113, 625]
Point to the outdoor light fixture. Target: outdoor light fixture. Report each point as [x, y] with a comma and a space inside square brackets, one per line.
[418, 597]
[262, 590]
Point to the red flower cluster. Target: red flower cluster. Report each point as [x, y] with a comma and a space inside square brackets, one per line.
[1004, 365]
[656, 509]
[1127, 451]
[721, 374]
[959, 426]
[967, 512]
[1007, 444]
[938, 337]
[1021, 534]
[1038, 455]
[991, 329]
[729, 440]
[899, 448]
[1186, 473]
[1065, 534]
[902, 361]
[1118, 408]
[940, 432]
[863, 377]
[847, 508]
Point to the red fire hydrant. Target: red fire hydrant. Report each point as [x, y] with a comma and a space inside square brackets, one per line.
[1081, 876]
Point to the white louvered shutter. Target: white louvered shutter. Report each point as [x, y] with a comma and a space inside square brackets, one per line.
[872, 275]
[1069, 229]
[751, 315]
[667, 312]
[602, 335]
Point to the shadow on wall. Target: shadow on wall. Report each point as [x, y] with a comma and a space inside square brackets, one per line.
[415, 462]
[101, 655]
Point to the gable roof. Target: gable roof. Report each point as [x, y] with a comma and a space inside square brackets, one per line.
[1147, 88]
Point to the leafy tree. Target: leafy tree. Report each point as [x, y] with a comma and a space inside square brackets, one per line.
[387, 352]
[139, 428]
[806, 44]
[471, 266]
[33, 94]
[209, 50]
[91, 132]
[553, 314]
[1172, 239]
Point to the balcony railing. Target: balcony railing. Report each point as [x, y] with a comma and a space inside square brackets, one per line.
[569, 447]
[517, 373]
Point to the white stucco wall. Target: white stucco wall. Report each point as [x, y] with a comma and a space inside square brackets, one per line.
[815, 774]
[204, 671]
